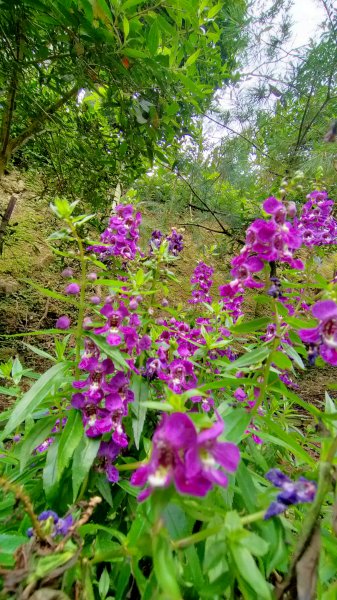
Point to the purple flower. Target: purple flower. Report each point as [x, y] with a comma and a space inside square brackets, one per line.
[121, 236]
[73, 289]
[63, 525]
[63, 322]
[180, 376]
[48, 514]
[92, 276]
[300, 491]
[324, 336]
[203, 459]
[107, 454]
[316, 223]
[67, 273]
[185, 458]
[175, 242]
[95, 300]
[202, 282]
[44, 446]
[174, 435]
[53, 524]
[156, 239]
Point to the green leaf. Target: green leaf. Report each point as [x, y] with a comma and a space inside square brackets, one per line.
[51, 293]
[50, 476]
[39, 432]
[104, 584]
[191, 59]
[69, 440]
[251, 357]
[286, 440]
[236, 423]
[254, 325]
[50, 563]
[178, 524]
[10, 542]
[17, 370]
[126, 27]
[84, 456]
[140, 390]
[39, 352]
[249, 571]
[132, 3]
[153, 38]
[214, 10]
[33, 398]
[292, 353]
[281, 360]
[164, 567]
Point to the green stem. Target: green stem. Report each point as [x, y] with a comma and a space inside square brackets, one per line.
[83, 282]
[267, 366]
[195, 538]
[21, 495]
[130, 466]
[324, 484]
[202, 535]
[253, 517]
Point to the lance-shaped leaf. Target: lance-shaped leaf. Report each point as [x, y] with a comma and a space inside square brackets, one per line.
[33, 398]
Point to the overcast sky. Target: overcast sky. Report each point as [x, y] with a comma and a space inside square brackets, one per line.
[306, 17]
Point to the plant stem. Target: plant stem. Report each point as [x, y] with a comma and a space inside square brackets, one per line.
[21, 495]
[130, 466]
[324, 483]
[195, 538]
[79, 329]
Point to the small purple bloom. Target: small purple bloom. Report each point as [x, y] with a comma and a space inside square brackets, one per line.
[186, 458]
[324, 336]
[73, 289]
[67, 273]
[63, 322]
[292, 492]
[175, 242]
[92, 276]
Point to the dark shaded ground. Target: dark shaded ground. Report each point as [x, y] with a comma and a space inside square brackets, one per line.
[315, 381]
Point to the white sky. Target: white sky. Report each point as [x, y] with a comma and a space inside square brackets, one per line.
[306, 18]
[307, 15]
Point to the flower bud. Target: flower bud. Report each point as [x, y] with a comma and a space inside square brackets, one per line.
[133, 304]
[73, 289]
[66, 273]
[91, 276]
[63, 322]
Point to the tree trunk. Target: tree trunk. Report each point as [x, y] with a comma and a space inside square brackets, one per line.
[5, 220]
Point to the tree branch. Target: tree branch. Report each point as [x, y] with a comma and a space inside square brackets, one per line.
[38, 123]
[244, 138]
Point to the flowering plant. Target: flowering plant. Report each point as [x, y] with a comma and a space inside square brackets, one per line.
[154, 428]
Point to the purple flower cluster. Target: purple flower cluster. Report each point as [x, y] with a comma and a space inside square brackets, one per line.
[232, 298]
[291, 493]
[174, 239]
[323, 338]
[121, 236]
[266, 241]
[47, 442]
[104, 396]
[121, 328]
[52, 524]
[270, 240]
[202, 282]
[186, 458]
[316, 223]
